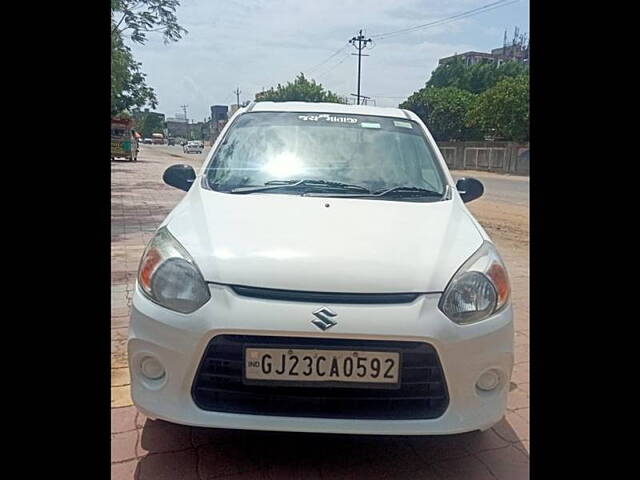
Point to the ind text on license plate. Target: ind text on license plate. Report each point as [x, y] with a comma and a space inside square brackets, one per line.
[306, 365]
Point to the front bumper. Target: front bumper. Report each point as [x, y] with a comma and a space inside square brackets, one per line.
[178, 341]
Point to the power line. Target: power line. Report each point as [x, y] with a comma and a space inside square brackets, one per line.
[468, 13]
[362, 43]
[344, 47]
[324, 74]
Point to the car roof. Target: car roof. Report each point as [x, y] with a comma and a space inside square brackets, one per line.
[330, 108]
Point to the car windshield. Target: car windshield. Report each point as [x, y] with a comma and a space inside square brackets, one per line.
[374, 152]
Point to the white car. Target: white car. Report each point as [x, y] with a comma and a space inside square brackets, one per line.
[193, 147]
[322, 274]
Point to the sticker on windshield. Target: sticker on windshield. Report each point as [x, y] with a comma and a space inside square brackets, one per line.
[402, 124]
[327, 118]
[370, 125]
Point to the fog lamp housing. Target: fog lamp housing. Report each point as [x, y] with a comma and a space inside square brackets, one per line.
[489, 380]
[151, 368]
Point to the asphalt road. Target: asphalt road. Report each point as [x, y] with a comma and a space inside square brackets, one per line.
[510, 189]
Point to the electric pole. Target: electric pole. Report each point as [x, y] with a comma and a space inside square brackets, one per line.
[362, 43]
[237, 92]
[186, 119]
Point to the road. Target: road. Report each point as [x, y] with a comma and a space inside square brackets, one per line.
[510, 189]
[145, 449]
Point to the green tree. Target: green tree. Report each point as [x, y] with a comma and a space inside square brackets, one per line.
[474, 78]
[148, 123]
[140, 17]
[128, 87]
[444, 111]
[134, 19]
[503, 110]
[300, 90]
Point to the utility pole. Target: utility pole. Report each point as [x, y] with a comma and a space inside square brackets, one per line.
[362, 43]
[237, 92]
[186, 119]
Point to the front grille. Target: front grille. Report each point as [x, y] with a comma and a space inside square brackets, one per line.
[323, 297]
[422, 393]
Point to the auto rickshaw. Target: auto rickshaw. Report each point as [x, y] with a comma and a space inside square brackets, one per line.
[124, 140]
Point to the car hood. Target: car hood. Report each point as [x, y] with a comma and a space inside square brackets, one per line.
[324, 244]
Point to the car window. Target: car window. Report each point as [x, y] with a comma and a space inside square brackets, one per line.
[376, 152]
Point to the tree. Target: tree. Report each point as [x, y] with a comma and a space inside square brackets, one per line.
[148, 123]
[503, 111]
[474, 78]
[134, 19]
[300, 90]
[128, 87]
[444, 111]
[139, 17]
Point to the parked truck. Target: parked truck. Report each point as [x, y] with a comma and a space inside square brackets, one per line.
[124, 139]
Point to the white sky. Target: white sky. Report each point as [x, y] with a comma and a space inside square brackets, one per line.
[253, 44]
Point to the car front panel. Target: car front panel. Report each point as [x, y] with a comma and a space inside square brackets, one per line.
[461, 354]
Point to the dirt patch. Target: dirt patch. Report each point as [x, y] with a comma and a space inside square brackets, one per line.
[502, 220]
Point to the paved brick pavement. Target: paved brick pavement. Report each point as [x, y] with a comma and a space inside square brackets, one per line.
[145, 449]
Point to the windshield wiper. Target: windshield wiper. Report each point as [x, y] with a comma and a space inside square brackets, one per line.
[275, 184]
[401, 190]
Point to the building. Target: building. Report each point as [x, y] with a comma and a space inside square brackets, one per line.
[469, 58]
[177, 127]
[219, 112]
[219, 118]
[517, 50]
[519, 53]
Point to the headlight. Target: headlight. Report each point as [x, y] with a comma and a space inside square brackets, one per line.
[169, 276]
[478, 289]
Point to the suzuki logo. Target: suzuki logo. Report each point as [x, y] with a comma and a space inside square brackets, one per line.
[324, 320]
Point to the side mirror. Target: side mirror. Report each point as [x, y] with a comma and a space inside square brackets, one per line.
[179, 176]
[469, 189]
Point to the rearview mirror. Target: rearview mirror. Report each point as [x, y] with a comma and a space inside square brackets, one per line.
[179, 176]
[469, 189]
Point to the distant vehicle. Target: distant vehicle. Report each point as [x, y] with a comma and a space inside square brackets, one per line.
[147, 141]
[193, 147]
[124, 141]
[157, 138]
[171, 141]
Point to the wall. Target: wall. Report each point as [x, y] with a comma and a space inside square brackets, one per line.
[501, 157]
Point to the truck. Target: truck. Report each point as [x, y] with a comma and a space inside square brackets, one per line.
[124, 139]
[157, 138]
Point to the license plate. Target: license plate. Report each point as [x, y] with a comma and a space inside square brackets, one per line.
[304, 365]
